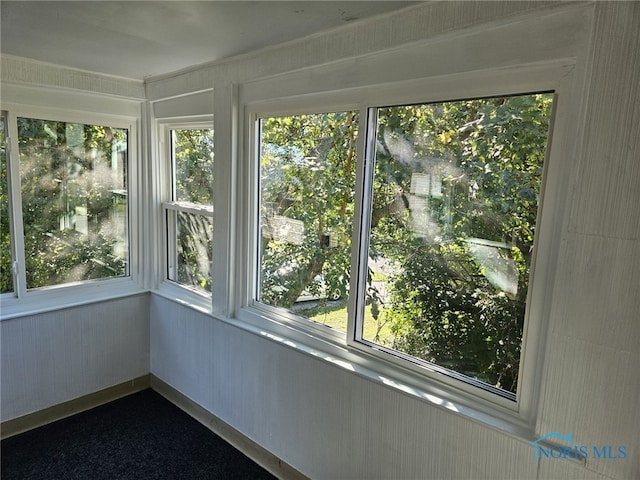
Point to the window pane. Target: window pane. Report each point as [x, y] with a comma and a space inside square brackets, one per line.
[74, 201]
[6, 278]
[456, 191]
[192, 242]
[307, 177]
[194, 248]
[193, 163]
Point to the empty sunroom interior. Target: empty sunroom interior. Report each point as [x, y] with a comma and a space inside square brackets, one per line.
[327, 403]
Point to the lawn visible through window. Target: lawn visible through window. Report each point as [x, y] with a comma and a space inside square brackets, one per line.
[307, 180]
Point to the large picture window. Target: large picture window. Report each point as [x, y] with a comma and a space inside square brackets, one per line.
[453, 213]
[74, 201]
[67, 210]
[438, 265]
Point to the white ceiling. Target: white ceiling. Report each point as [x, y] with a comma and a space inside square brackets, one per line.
[139, 39]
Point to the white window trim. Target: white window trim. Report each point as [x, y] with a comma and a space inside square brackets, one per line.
[202, 301]
[23, 302]
[268, 99]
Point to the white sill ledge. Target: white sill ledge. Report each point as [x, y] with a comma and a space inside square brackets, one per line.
[191, 298]
[373, 369]
[385, 373]
[50, 299]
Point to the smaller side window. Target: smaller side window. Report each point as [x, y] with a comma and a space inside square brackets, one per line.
[189, 214]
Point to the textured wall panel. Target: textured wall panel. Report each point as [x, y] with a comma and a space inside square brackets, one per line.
[592, 392]
[566, 470]
[424, 21]
[54, 357]
[27, 72]
[608, 171]
[592, 386]
[597, 282]
[316, 416]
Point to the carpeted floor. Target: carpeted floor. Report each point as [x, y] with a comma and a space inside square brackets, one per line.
[142, 436]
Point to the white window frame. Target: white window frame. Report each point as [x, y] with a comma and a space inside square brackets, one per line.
[194, 297]
[267, 98]
[23, 301]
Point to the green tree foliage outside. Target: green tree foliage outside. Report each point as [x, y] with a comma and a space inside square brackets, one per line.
[74, 202]
[193, 164]
[308, 166]
[445, 306]
[6, 280]
[193, 157]
[455, 195]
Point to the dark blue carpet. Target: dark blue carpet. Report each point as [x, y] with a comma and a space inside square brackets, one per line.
[142, 436]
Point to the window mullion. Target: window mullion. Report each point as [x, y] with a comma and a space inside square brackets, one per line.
[15, 207]
[170, 217]
[363, 202]
[171, 251]
[255, 221]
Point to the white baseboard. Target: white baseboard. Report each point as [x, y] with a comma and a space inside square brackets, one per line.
[66, 409]
[251, 449]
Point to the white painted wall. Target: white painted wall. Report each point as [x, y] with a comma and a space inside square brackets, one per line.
[321, 419]
[330, 423]
[50, 358]
[61, 344]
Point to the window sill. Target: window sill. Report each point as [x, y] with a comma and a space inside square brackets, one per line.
[66, 296]
[359, 363]
[377, 370]
[185, 296]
